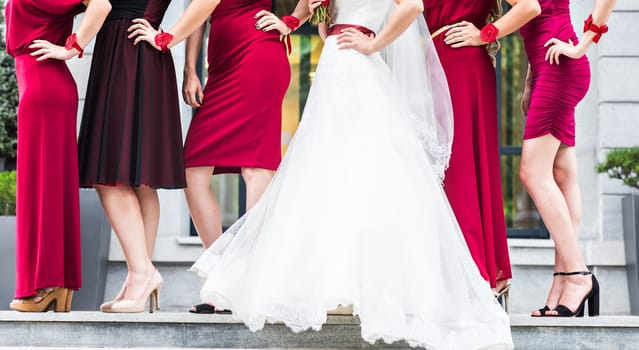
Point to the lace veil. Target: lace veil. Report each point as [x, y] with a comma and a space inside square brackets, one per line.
[422, 84]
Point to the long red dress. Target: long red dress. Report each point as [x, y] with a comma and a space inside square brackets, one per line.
[239, 124]
[472, 182]
[48, 209]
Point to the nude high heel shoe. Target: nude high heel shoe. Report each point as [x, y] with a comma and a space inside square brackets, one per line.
[152, 293]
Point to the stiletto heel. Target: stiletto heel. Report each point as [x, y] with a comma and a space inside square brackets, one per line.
[56, 297]
[502, 296]
[139, 305]
[592, 297]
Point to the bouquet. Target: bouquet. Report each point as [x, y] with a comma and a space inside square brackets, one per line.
[322, 13]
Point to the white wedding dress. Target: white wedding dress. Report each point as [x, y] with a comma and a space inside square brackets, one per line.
[356, 215]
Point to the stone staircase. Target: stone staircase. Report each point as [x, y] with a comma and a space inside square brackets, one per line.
[184, 330]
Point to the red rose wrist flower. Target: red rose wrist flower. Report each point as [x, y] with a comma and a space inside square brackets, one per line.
[598, 30]
[489, 33]
[291, 22]
[72, 43]
[162, 40]
[322, 13]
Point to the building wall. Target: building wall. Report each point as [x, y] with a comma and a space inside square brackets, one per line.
[608, 117]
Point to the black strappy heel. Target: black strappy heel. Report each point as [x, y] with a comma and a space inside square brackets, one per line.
[207, 309]
[591, 297]
[543, 310]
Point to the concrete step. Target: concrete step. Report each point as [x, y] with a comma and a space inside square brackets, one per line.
[184, 330]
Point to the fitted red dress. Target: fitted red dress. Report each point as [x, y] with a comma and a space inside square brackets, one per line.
[555, 88]
[473, 182]
[239, 124]
[48, 218]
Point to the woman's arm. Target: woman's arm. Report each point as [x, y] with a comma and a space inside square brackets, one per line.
[466, 34]
[196, 13]
[600, 14]
[401, 18]
[94, 16]
[191, 85]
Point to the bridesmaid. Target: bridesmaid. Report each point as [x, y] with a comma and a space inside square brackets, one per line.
[237, 128]
[131, 142]
[549, 162]
[48, 263]
[472, 182]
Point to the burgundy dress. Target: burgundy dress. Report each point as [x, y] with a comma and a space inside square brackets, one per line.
[555, 89]
[240, 122]
[472, 182]
[131, 132]
[48, 209]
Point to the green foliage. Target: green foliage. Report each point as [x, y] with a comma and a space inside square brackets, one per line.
[8, 192]
[8, 98]
[622, 164]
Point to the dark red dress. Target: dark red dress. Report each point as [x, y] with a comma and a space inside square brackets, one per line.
[48, 209]
[472, 182]
[131, 132]
[555, 89]
[240, 122]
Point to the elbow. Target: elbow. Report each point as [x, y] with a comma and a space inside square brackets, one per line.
[534, 9]
[414, 6]
[105, 7]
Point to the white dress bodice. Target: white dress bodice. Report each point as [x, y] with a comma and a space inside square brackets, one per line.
[368, 13]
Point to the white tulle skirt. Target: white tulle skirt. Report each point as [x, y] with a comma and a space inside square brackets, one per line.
[355, 216]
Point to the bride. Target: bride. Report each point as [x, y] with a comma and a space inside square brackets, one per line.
[356, 214]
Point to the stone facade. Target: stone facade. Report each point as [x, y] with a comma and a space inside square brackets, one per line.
[608, 117]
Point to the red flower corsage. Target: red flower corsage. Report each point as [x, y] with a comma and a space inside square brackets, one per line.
[598, 30]
[72, 43]
[489, 33]
[162, 40]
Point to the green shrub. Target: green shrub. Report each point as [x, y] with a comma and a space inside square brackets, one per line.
[622, 164]
[8, 98]
[8, 192]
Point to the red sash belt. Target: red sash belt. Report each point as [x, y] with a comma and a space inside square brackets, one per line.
[337, 28]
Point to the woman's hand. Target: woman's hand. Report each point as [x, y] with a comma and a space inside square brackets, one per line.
[313, 4]
[525, 95]
[351, 38]
[267, 21]
[558, 48]
[142, 30]
[46, 50]
[192, 89]
[463, 34]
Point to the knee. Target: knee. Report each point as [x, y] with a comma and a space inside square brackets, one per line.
[197, 178]
[256, 174]
[564, 176]
[532, 178]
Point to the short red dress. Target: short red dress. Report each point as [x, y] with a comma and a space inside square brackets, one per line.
[48, 208]
[240, 122]
[555, 88]
[473, 181]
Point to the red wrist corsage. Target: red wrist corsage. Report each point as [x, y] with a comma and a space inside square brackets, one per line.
[291, 22]
[598, 30]
[72, 43]
[162, 40]
[489, 33]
